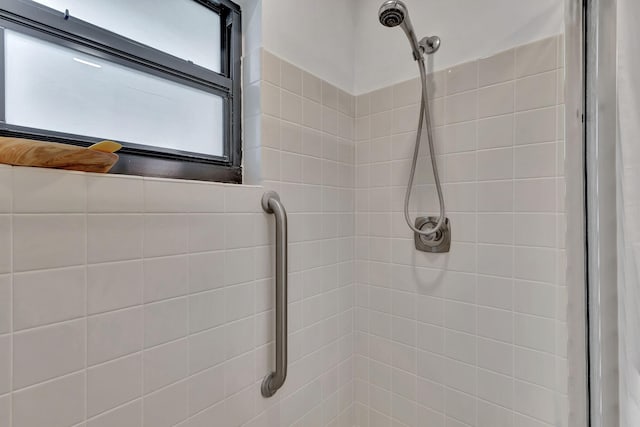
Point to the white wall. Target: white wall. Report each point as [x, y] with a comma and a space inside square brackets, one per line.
[251, 25]
[342, 42]
[314, 35]
[628, 97]
[382, 55]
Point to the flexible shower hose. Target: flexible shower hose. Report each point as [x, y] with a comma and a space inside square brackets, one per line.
[424, 116]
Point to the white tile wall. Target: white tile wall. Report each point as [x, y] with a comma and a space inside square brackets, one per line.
[127, 301]
[471, 338]
[145, 302]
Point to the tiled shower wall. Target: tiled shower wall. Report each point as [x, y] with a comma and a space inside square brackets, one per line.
[136, 302]
[475, 337]
[145, 302]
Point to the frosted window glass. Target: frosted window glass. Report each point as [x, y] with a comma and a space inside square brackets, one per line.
[182, 28]
[54, 88]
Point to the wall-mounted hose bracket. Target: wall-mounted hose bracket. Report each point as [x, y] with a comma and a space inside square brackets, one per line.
[438, 242]
[429, 45]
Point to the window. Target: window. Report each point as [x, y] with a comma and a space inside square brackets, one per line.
[160, 77]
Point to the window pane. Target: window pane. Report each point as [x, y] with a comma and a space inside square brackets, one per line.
[182, 28]
[54, 88]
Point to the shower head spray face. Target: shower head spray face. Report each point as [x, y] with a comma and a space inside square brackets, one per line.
[392, 13]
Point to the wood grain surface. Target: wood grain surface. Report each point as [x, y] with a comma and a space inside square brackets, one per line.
[27, 152]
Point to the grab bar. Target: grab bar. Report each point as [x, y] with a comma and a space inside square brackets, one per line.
[273, 381]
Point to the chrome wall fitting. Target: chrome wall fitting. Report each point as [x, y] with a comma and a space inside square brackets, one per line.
[439, 242]
[430, 45]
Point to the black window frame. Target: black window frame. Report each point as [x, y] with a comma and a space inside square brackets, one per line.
[36, 20]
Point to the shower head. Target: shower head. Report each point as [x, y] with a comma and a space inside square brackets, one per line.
[394, 13]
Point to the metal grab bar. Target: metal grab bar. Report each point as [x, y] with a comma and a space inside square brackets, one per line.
[273, 381]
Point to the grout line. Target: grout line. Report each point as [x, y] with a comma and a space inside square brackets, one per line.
[143, 303]
[477, 247]
[86, 311]
[13, 305]
[513, 242]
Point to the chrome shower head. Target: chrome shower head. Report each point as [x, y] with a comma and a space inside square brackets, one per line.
[394, 13]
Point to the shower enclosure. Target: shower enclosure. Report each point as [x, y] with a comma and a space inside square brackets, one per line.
[477, 336]
[134, 301]
[611, 200]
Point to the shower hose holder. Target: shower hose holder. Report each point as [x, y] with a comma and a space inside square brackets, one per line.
[430, 44]
[439, 242]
